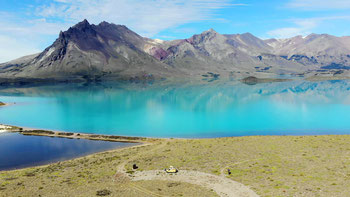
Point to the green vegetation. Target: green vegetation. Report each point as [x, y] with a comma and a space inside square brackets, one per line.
[103, 192]
[65, 134]
[32, 132]
[270, 165]
[79, 135]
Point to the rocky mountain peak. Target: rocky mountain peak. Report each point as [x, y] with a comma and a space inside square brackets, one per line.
[247, 34]
[82, 34]
[211, 30]
[83, 27]
[203, 37]
[104, 23]
[209, 33]
[83, 24]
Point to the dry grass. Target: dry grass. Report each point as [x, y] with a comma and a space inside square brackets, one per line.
[86, 177]
[271, 166]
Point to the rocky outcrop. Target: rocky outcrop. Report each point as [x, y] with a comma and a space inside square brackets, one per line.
[251, 80]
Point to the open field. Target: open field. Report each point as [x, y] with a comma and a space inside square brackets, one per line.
[269, 165]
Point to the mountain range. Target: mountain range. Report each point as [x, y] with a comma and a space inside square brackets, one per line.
[108, 51]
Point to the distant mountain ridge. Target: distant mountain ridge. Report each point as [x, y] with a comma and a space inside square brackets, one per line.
[108, 51]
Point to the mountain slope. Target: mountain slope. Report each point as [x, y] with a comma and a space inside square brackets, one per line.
[109, 51]
[314, 49]
[90, 51]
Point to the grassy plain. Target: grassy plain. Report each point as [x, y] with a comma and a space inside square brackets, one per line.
[269, 165]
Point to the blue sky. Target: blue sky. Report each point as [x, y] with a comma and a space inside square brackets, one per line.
[29, 26]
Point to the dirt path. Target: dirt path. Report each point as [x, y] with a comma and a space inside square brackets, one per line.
[222, 186]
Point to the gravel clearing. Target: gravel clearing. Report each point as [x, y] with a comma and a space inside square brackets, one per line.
[221, 185]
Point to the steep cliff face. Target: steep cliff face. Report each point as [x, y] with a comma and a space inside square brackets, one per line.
[91, 52]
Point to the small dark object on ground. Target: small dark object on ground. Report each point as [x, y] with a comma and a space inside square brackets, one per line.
[103, 192]
[173, 184]
[29, 174]
[135, 167]
[229, 171]
[10, 178]
[130, 172]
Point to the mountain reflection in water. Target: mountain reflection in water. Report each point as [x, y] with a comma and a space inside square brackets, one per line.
[183, 110]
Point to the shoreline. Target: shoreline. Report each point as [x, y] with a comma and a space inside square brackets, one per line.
[137, 144]
[27, 131]
[74, 135]
[263, 162]
[132, 139]
[6, 105]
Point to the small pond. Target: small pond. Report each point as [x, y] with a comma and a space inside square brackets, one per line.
[19, 151]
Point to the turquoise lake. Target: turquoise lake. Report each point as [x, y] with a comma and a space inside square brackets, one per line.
[210, 109]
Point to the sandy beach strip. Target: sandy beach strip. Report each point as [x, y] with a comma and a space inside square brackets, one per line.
[73, 135]
[4, 128]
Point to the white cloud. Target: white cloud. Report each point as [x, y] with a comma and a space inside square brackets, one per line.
[147, 17]
[32, 27]
[300, 27]
[308, 25]
[20, 37]
[319, 4]
[287, 32]
[12, 48]
[303, 26]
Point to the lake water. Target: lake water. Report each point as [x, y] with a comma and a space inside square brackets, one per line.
[18, 151]
[213, 109]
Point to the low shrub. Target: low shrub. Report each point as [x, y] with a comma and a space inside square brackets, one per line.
[103, 192]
